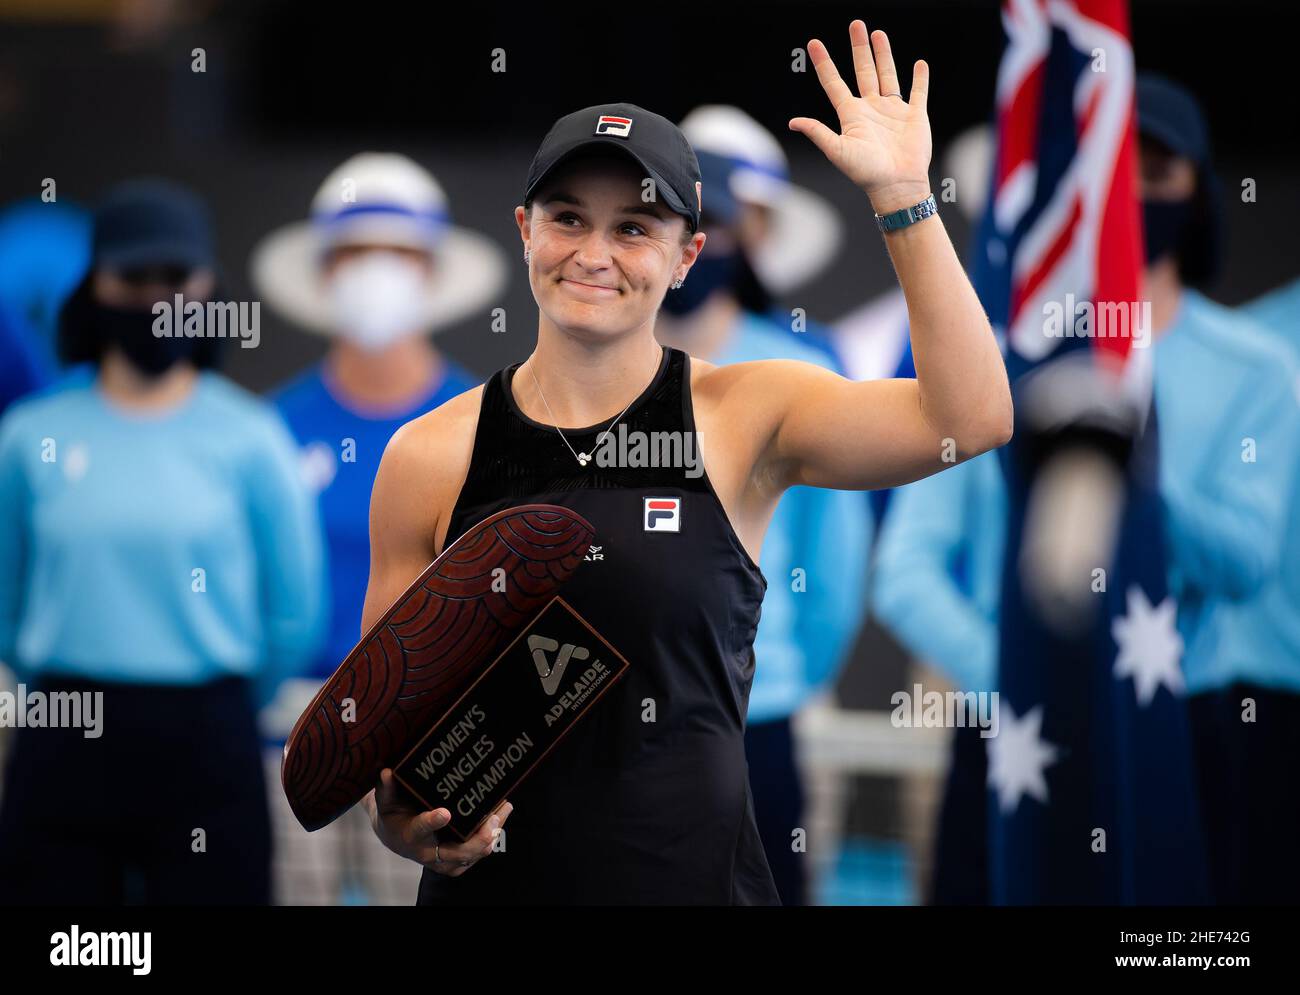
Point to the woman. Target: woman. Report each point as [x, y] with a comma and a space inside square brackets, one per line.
[160, 564]
[647, 800]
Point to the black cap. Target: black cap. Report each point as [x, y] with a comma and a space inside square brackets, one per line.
[652, 141]
[152, 223]
[1170, 114]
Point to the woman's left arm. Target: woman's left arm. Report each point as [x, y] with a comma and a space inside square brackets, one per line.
[831, 432]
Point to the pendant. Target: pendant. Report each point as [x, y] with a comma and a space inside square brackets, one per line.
[584, 458]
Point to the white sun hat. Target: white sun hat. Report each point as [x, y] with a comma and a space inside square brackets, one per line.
[806, 231]
[377, 198]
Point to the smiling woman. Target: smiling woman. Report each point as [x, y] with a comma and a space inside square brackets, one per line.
[572, 276]
[648, 800]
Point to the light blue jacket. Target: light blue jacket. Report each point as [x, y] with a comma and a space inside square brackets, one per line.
[1223, 394]
[1259, 638]
[168, 549]
[938, 573]
[818, 540]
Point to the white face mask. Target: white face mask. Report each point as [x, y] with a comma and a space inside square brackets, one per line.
[378, 298]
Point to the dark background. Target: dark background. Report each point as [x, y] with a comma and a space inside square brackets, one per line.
[291, 89]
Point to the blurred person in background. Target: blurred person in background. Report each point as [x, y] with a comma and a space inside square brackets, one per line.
[788, 234]
[1258, 656]
[44, 250]
[1218, 382]
[23, 369]
[937, 584]
[44, 253]
[815, 551]
[377, 267]
[162, 552]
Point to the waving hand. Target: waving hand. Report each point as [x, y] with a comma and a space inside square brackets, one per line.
[884, 141]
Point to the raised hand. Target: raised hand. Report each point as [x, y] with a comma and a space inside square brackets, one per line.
[884, 141]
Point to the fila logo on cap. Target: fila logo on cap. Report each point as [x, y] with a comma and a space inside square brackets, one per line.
[662, 514]
[619, 127]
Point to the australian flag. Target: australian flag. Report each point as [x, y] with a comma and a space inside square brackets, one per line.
[1091, 789]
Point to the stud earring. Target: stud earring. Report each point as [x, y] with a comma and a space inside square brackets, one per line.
[677, 285]
[525, 257]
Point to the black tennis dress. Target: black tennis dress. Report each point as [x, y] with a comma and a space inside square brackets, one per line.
[647, 800]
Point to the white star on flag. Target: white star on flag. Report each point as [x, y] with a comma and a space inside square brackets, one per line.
[1150, 648]
[1018, 755]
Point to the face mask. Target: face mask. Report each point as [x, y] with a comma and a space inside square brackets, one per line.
[708, 274]
[1163, 222]
[131, 330]
[378, 299]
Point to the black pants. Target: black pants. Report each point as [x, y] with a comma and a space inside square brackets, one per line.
[168, 806]
[1250, 793]
[778, 796]
[961, 851]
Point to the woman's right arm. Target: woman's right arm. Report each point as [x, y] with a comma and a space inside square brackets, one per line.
[415, 490]
[404, 516]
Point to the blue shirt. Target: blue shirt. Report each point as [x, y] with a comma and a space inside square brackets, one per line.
[1278, 312]
[938, 573]
[1230, 438]
[167, 548]
[23, 368]
[339, 452]
[1216, 384]
[1259, 638]
[811, 333]
[44, 253]
[814, 557]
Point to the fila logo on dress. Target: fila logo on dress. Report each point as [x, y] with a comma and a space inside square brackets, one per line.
[662, 514]
[619, 127]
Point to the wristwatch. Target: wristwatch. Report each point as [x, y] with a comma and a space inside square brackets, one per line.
[907, 215]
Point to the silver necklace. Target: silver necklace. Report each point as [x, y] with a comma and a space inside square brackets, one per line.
[582, 458]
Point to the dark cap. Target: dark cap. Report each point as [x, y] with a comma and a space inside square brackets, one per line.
[152, 223]
[1170, 114]
[653, 142]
